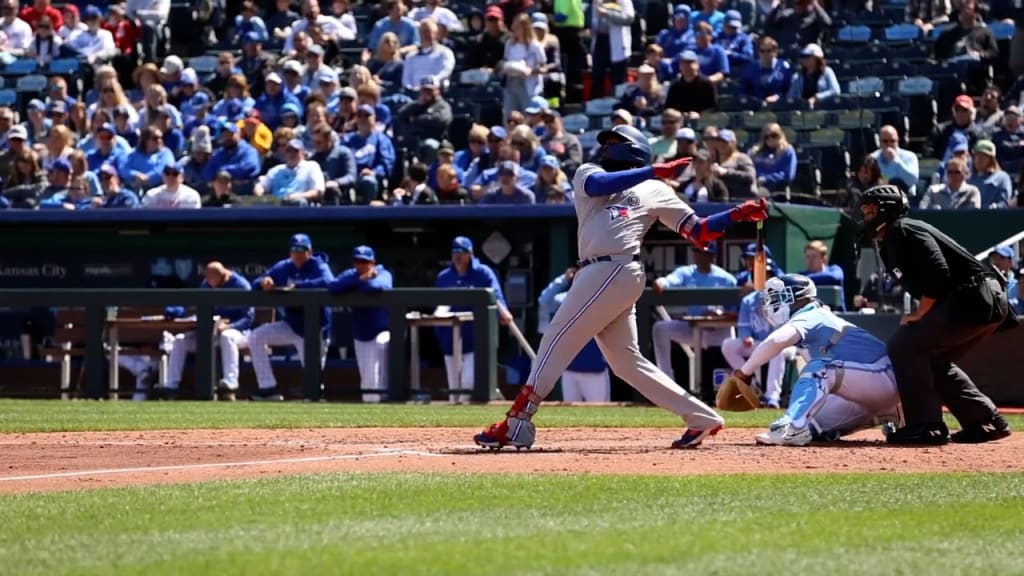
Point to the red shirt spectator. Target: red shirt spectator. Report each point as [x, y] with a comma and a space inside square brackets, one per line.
[126, 34]
[40, 8]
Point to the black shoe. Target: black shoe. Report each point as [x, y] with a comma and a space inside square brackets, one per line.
[920, 435]
[268, 395]
[993, 429]
[165, 393]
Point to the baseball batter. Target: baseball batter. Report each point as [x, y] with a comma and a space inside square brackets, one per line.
[616, 202]
[848, 383]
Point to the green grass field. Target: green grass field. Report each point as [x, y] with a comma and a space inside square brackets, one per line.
[458, 524]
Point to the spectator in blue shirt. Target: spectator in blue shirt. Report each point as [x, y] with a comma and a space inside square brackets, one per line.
[235, 156]
[396, 22]
[466, 271]
[248, 21]
[508, 190]
[654, 56]
[737, 44]
[774, 160]
[710, 13]
[107, 148]
[714, 63]
[679, 38]
[336, 162]
[143, 168]
[768, 78]
[819, 270]
[273, 99]
[445, 155]
[374, 152]
[113, 195]
[815, 81]
[291, 73]
[236, 103]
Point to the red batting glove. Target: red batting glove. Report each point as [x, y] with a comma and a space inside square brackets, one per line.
[669, 170]
[750, 211]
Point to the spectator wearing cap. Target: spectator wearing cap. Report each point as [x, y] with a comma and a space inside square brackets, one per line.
[18, 32]
[114, 196]
[72, 22]
[963, 121]
[337, 164]
[802, 22]
[344, 116]
[297, 182]
[1009, 139]
[710, 13]
[430, 59]
[152, 15]
[737, 44]
[414, 189]
[481, 182]
[712, 57]
[126, 35]
[565, 147]
[693, 92]
[184, 95]
[248, 21]
[1004, 260]
[611, 43]
[256, 133]
[57, 113]
[45, 46]
[170, 71]
[955, 193]
[368, 94]
[193, 166]
[646, 96]
[374, 154]
[958, 148]
[897, 166]
[466, 271]
[58, 178]
[534, 114]
[143, 167]
[199, 110]
[397, 23]
[41, 9]
[37, 124]
[292, 73]
[988, 177]
[273, 99]
[508, 189]
[679, 37]
[370, 333]
[663, 146]
[488, 48]
[237, 102]
[221, 194]
[552, 185]
[327, 87]
[235, 156]
[774, 160]
[445, 156]
[163, 118]
[686, 143]
[106, 147]
[429, 116]
[552, 49]
[173, 193]
[769, 78]
[255, 63]
[814, 81]
[735, 168]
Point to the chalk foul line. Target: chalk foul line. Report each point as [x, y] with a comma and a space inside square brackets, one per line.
[382, 453]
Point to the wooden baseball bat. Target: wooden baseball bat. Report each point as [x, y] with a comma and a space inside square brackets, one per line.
[760, 260]
[523, 343]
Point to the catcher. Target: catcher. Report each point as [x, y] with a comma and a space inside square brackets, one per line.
[847, 384]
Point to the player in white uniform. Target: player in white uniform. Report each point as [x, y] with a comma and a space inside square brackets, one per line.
[616, 203]
[848, 383]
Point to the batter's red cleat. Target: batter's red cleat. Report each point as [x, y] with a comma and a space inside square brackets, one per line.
[692, 437]
[518, 434]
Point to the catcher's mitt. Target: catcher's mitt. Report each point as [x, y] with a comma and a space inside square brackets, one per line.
[737, 394]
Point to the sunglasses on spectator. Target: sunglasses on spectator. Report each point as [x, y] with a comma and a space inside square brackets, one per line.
[888, 140]
[772, 135]
[478, 142]
[766, 50]
[104, 176]
[76, 189]
[956, 172]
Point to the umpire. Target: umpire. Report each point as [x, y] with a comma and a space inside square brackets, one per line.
[962, 302]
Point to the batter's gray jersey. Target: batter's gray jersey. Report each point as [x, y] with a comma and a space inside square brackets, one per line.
[615, 225]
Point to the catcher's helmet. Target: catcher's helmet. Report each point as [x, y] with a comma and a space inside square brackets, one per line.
[632, 151]
[781, 293]
[892, 205]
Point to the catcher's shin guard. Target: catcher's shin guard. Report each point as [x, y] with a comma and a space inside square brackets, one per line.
[516, 429]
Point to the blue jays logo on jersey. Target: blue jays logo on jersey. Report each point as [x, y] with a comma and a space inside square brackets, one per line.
[617, 211]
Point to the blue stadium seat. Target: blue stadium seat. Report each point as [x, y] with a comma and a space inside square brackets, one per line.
[920, 106]
[866, 86]
[21, 67]
[600, 107]
[902, 33]
[203, 64]
[8, 98]
[575, 123]
[854, 34]
[33, 83]
[65, 67]
[1002, 30]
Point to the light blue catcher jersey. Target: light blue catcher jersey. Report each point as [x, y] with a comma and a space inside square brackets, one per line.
[826, 336]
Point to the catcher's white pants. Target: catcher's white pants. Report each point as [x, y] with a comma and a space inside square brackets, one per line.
[275, 334]
[230, 342]
[372, 359]
[736, 354]
[586, 386]
[461, 379]
[867, 390]
[666, 332]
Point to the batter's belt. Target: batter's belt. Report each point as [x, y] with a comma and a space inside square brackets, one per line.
[596, 259]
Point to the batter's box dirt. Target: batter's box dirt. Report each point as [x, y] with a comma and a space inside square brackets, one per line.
[67, 461]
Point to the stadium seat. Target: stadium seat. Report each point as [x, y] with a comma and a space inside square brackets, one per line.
[8, 98]
[809, 120]
[757, 120]
[65, 67]
[600, 106]
[855, 34]
[203, 64]
[21, 67]
[717, 119]
[866, 86]
[35, 83]
[588, 140]
[576, 123]
[917, 53]
[1002, 30]
[788, 105]
[903, 33]
[475, 77]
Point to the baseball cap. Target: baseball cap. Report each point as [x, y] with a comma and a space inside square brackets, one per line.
[624, 115]
[327, 76]
[462, 245]
[688, 56]
[292, 66]
[364, 253]
[498, 132]
[273, 77]
[18, 132]
[508, 167]
[290, 108]
[813, 50]
[109, 170]
[172, 168]
[366, 109]
[494, 11]
[540, 20]
[61, 164]
[750, 250]
[172, 65]
[188, 77]
[223, 175]
[686, 134]
[107, 127]
[316, 49]
[964, 101]
[57, 107]
[92, 12]
[36, 104]
[726, 135]
[710, 248]
[446, 148]
[70, 8]
[550, 161]
[681, 11]
[1014, 110]
[551, 113]
[537, 105]
[228, 126]
[734, 18]
[252, 37]
[1004, 251]
[986, 147]
[300, 243]
[958, 142]
[200, 100]
[296, 144]
[348, 93]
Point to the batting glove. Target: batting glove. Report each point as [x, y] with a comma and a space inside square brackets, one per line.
[750, 211]
[669, 170]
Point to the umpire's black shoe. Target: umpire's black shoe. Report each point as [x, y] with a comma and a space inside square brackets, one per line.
[992, 429]
[920, 435]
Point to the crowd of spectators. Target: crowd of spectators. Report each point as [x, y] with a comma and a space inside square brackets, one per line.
[341, 103]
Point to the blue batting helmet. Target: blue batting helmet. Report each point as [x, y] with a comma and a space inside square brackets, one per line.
[633, 150]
